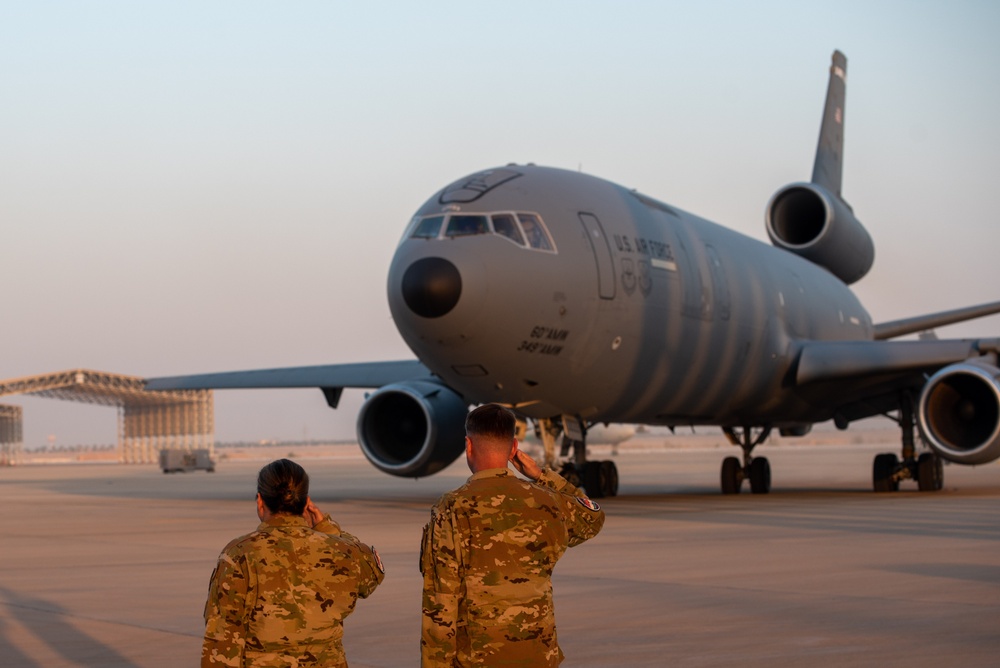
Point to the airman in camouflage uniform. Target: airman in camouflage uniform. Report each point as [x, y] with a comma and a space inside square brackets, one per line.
[489, 550]
[279, 595]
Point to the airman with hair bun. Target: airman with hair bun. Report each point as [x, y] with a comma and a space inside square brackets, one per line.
[279, 595]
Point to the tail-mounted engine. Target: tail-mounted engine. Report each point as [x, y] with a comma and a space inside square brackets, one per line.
[412, 429]
[959, 413]
[806, 219]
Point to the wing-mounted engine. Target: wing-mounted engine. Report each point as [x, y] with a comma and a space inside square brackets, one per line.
[412, 429]
[808, 220]
[959, 413]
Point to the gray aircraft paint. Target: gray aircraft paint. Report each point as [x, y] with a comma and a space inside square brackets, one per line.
[731, 332]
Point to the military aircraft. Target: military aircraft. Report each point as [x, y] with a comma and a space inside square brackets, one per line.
[578, 302]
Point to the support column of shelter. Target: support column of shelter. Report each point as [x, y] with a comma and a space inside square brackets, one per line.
[11, 435]
[185, 424]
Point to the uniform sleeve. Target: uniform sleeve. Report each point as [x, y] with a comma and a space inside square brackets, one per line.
[372, 570]
[441, 566]
[225, 614]
[584, 518]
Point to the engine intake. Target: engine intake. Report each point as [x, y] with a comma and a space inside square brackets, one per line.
[412, 429]
[806, 219]
[959, 413]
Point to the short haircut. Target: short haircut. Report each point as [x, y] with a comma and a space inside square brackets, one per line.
[491, 421]
[283, 485]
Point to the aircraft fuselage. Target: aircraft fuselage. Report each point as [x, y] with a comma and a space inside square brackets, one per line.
[628, 310]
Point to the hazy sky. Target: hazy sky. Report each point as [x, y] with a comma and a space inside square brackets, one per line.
[190, 187]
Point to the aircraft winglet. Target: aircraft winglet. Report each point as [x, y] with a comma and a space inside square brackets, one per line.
[828, 168]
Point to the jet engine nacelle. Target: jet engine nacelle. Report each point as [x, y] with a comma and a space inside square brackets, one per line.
[412, 429]
[959, 413]
[805, 219]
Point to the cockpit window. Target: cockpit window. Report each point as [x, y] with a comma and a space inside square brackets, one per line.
[464, 226]
[524, 229]
[428, 228]
[505, 225]
[538, 237]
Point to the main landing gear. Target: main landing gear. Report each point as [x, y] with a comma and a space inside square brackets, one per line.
[600, 479]
[755, 469]
[888, 469]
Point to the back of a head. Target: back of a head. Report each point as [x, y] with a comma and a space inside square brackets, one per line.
[283, 485]
[491, 422]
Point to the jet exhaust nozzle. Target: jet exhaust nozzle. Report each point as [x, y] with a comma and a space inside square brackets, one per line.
[412, 429]
[959, 413]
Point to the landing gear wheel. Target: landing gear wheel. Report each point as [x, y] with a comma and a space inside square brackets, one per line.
[930, 473]
[609, 478]
[594, 480]
[572, 475]
[760, 476]
[732, 475]
[883, 468]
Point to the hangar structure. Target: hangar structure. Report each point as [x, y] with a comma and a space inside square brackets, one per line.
[147, 421]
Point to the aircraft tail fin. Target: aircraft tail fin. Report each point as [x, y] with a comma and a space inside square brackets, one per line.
[828, 168]
[812, 220]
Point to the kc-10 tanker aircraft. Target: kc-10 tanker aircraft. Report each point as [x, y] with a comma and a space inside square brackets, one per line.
[578, 302]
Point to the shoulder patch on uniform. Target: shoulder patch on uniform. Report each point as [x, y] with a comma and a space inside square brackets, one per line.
[588, 504]
[378, 560]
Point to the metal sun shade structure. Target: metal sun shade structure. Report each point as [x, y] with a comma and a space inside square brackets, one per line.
[147, 421]
[11, 438]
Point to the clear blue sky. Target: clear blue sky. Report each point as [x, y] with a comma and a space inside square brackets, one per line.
[191, 187]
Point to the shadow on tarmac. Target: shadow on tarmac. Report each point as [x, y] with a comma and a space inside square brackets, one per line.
[51, 624]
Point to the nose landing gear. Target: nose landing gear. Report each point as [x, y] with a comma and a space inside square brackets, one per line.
[600, 478]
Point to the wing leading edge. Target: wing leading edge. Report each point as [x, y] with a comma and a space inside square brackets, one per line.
[331, 378]
[890, 330]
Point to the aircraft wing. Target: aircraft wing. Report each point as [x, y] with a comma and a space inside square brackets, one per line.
[331, 378]
[851, 380]
[840, 360]
[890, 330]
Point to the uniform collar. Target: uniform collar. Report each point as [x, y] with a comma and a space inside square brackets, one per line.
[490, 473]
[285, 520]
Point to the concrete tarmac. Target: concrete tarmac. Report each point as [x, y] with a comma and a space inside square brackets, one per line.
[108, 565]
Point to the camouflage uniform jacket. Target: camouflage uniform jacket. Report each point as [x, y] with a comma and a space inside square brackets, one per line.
[279, 595]
[487, 557]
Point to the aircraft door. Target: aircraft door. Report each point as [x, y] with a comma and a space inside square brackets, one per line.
[602, 255]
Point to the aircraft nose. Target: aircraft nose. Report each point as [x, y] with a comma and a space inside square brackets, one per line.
[431, 287]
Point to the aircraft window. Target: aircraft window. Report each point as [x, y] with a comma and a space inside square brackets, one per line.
[464, 225]
[428, 228]
[505, 225]
[535, 230]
